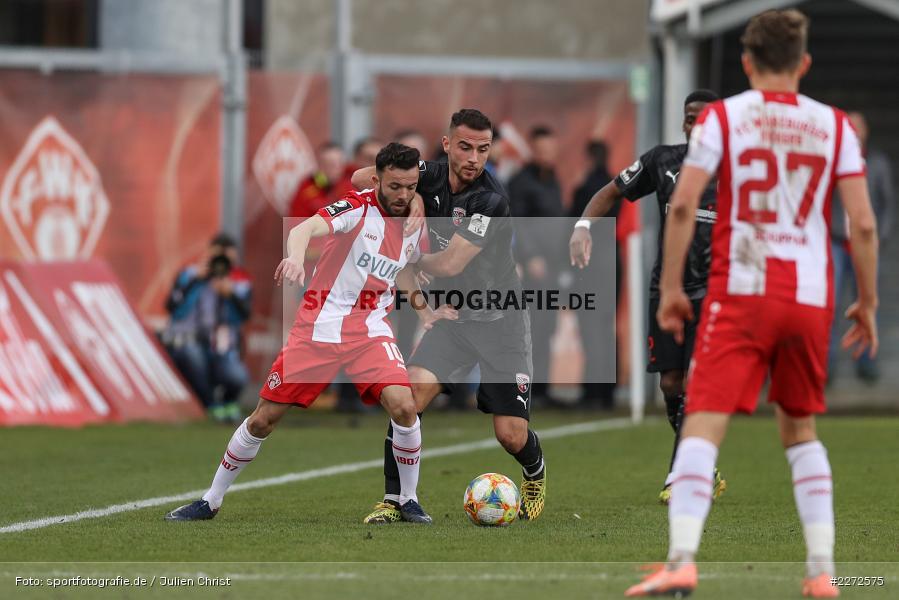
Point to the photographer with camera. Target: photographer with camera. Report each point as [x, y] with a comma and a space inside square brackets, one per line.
[209, 304]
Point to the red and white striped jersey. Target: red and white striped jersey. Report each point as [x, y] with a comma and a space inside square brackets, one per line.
[778, 156]
[352, 289]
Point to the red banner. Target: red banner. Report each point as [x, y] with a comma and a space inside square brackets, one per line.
[120, 167]
[75, 352]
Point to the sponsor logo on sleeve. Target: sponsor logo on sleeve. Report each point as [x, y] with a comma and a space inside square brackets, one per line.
[478, 224]
[632, 171]
[338, 207]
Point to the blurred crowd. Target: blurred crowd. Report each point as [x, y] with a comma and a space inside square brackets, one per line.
[210, 300]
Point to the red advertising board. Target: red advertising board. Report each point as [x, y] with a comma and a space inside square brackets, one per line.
[75, 352]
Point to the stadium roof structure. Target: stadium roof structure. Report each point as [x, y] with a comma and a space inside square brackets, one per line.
[701, 18]
[680, 25]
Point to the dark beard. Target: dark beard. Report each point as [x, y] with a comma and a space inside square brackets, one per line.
[386, 206]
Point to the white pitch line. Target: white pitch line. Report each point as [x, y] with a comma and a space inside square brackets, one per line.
[555, 432]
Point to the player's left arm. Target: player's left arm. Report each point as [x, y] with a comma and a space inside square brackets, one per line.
[703, 157]
[487, 211]
[451, 261]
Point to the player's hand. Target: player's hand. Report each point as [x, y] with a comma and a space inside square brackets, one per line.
[674, 309]
[442, 312]
[290, 270]
[579, 247]
[863, 332]
[416, 215]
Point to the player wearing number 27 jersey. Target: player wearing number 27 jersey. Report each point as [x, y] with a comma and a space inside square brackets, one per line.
[778, 156]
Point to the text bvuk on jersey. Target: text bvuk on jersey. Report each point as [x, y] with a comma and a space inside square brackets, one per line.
[378, 266]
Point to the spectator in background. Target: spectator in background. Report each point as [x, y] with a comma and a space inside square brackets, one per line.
[883, 201]
[209, 304]
[327, 185]
[594, 395]
[364, 153]
[536, 197]
[414, 139]
[496, 154]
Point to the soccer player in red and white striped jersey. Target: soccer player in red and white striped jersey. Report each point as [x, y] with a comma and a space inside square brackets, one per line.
[342, 324]
[778, 156]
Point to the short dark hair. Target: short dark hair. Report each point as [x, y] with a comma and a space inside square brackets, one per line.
[541, 131]
[471, 118]
[776, 39]
[398, 156]
[701, 96]
[225, 240]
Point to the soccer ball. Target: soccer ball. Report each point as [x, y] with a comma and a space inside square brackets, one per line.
[491, 499]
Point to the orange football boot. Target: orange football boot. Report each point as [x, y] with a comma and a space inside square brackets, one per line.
[679, 582]
[819, 587]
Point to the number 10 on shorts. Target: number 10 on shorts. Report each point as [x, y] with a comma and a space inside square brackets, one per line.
[393, 353]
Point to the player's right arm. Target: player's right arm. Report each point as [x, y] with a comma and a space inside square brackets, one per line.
[581, 243]
[632, 183]
[291, 268]
[863, 246]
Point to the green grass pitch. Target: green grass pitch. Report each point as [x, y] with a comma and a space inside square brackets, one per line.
[306, 539]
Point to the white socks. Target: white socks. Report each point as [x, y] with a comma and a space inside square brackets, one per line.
[813, 490]
[241, 450]
[691, 496]
[407, 452]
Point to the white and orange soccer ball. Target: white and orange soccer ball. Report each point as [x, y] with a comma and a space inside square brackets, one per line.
[492, 499]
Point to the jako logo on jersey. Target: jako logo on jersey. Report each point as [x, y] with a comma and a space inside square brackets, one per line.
[523, 382]
[371, 236]
[274, 380]
[381, 267]
[52, 199]
[283, 159]
[458, 215]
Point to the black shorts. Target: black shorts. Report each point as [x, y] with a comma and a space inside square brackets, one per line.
[502, 348]
[664, 353]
